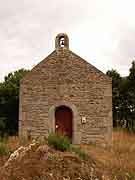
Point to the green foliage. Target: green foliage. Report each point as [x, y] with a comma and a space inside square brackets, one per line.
[4, 139]
[3, 149]
[116, 78]
[59, 142]
[123, 89]
[9, 102]
[79, 152]
[116, 81]
[2, 124]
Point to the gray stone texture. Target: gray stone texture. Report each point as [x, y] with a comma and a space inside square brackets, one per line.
[64, 78]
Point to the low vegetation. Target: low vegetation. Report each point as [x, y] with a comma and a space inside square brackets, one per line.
[117, 162]
[3, 146]
[3, 149]
[114, 163]
[62, 143]
[59, 142]
[77, 150]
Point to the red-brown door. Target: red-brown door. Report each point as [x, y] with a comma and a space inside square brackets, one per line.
[63, 121]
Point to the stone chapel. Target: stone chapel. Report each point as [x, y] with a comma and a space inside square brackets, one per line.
[66, 94]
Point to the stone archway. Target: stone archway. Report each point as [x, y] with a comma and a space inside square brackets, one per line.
[76, 121]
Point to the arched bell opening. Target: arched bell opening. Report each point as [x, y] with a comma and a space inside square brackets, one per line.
[62, 41]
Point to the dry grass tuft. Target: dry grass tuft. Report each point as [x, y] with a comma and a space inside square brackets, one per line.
[119, 160]
[13, 143]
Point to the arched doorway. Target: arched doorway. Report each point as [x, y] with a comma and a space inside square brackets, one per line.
[63, 121]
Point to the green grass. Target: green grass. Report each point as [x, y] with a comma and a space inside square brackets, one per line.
[3, 149]
[3, 139]
[79, 152]
[3, 146]
[59, 142]
[62, 143]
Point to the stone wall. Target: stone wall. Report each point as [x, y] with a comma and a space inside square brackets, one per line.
[63, 78]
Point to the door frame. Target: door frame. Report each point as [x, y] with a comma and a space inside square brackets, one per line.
[76, 120]
[69, 118]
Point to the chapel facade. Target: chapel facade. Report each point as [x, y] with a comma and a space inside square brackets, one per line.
[65, 94]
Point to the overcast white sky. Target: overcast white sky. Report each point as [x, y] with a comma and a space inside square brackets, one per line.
[100, 31]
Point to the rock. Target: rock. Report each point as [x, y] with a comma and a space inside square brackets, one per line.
[42, 152]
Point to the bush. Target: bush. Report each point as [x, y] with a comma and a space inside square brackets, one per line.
[59, 142]
[79, 152]
[4, 138]
[3, 149]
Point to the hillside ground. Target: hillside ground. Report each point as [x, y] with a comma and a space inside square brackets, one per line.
[115, 163]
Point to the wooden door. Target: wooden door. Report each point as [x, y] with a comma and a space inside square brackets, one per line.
[63, 121]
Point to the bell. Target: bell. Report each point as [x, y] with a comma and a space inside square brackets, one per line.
[62, 43]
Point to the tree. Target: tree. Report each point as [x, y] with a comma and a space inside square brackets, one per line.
[116, 81]
[9, 102]
[131, 95]
[123, 89]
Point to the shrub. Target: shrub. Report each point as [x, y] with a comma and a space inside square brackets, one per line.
[3, 139]
[59, 142]
[3, 149]
[79, 152]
